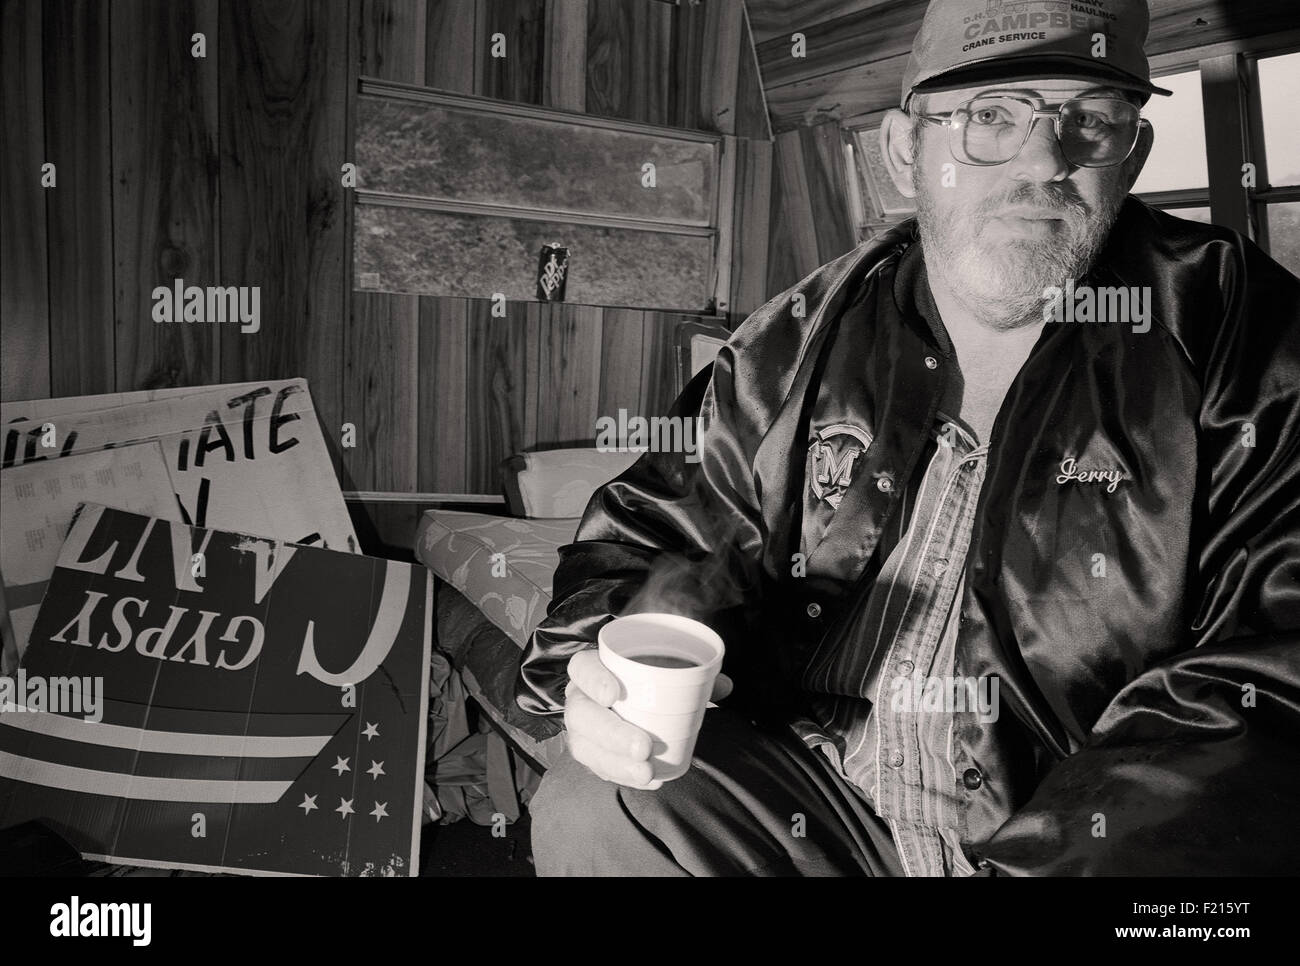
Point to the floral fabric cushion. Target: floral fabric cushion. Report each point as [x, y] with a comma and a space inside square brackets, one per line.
[502, 565]
[501, 569]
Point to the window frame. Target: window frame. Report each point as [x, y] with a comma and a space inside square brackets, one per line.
[1234, 133]
[720, 228]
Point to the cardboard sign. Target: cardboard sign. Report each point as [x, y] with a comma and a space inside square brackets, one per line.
[44, 409]
[37, 504]
[248, 458]
[258, 708]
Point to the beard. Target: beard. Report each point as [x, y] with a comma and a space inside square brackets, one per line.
[1002, 281]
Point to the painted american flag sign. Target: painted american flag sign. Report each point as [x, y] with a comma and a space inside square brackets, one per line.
[264, 703]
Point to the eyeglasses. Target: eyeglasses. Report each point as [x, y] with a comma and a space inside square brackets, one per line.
[1093, 132]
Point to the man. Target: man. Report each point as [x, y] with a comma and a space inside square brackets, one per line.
[998, 516]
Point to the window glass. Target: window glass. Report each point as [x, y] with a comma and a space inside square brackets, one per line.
[1284, 234]
[1177, 160]
[1279, 92]
[457, 154]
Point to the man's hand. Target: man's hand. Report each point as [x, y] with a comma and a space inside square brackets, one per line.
[612, 748]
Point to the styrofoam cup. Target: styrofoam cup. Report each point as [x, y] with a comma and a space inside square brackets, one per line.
[666, 702]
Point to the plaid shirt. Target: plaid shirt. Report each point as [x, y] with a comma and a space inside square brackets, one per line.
[897, 754]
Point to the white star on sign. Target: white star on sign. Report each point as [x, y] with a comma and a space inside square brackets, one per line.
[380, 811]
[345, 808]
[371, 731]
[341, 765]
[376, 769]
[308, 803]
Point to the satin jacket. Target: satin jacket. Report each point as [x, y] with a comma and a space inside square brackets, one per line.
[1145, 636]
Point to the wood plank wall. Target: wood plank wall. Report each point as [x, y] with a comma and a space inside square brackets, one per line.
[225, 169]
[486, 387]
[218, 169]
[811, 223]
[453, 390]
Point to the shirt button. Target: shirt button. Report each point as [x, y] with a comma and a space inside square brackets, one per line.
[896, 760]
[906, 667]
[972, 778]
[885, 483]
[940, 568]
[814, 610]
[931, 362]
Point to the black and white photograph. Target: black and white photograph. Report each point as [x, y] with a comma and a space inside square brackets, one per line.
[649, 439]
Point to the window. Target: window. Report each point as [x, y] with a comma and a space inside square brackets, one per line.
[1279, 93]
[1177, 161]
[877, 204]
[1277, 203]
[456, 196]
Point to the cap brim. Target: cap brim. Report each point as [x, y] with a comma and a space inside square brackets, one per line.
[1024, 66]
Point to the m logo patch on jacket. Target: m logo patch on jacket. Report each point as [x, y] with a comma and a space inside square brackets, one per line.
[834, 453]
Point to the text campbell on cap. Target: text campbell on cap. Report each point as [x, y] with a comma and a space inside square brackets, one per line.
[963, 43]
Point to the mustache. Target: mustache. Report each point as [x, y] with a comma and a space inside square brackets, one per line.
[1063, 198]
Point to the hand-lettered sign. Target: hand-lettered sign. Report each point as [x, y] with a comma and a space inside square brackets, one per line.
[248, 457]
[37, 504]
[260, 706]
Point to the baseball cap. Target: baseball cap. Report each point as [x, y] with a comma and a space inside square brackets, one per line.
[964, 43]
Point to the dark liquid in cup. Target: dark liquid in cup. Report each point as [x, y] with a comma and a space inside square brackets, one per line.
[663, 660]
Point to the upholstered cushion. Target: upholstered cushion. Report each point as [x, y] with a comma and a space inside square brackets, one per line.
[502, 565]
[501, 569]
[558, 483]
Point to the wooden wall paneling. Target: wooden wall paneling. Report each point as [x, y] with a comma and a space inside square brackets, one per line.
[455, 46]
[497, 391]
[518, 76]
[751, 104]
[441, 437]
[1183, 24]
[24, 277]
[793, 249]
[780, 18]
[569, 371]
[621, 354]
[381, 392]
[393, 34]
[706, 65]
[165, 204]
[79, 210]
[828, 190]
[629, 59]
[862, 37]
[286, 68]
[659, 362]
[537, 319]
[867, 88]
[686, 77]
[387, 529]
[749, 227]
[724, 44]
[564, 68]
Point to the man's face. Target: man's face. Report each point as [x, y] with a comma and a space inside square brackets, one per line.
[999, 235]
